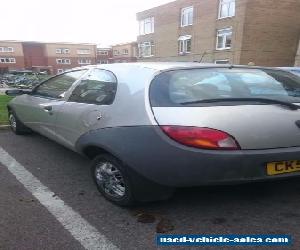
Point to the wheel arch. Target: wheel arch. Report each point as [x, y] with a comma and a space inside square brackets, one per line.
[9, 108]
[92, 151]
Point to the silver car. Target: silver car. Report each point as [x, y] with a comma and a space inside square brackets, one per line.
[151, 127]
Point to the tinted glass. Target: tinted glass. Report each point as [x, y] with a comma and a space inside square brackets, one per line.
[97, 88]
[57, 86]
[180, 86]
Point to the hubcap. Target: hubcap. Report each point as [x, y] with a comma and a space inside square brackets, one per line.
[110, 179]
[12, 121]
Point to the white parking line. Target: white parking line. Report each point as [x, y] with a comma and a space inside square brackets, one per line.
[80, 229]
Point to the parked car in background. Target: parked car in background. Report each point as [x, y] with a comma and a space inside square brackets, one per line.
[294, 70]
[152, 127]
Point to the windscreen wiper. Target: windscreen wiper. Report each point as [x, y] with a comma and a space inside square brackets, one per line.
[290, 105]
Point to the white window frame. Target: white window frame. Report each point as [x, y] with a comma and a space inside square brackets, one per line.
[224, 37]
[142, 50]
[228, 4]
[83, 51]
[186, 20]
[7, 60]
[222, 61]
[103, 61]
[116, 52]
[103, 52]
[125, 51]
[84, 61]
[63, 61]
[7, 49]
[143, 26]
[182, 44]
[62, 51]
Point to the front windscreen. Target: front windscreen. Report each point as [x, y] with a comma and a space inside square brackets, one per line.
[177, 87]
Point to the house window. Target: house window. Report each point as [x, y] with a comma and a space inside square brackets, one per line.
[62, 51]
[224, 39]
[102, 52]
[59, 71]
[125, 51]
[146, 26]
[146, 49]
[184, 44]
[226, 8]
[223, 61]
[7, 60]
[6, 49]
[84, 61]
[116, 52]
[83, 52]
[103, 61]
[187, 16]
[63, 61]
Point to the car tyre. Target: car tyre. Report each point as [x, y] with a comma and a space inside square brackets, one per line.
[134, 188]
[112, 180]
[16, 125]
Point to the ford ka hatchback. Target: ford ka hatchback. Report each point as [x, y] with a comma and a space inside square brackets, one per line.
[151, 127]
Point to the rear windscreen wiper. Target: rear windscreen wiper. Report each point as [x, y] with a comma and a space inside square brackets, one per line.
[290, 105]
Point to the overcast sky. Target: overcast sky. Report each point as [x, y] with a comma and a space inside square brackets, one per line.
[103, 22]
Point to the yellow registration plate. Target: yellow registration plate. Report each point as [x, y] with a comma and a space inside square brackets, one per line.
[283, 167]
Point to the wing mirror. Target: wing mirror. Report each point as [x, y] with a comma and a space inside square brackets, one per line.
[15, 92]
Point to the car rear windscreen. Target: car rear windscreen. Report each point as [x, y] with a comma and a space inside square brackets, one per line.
[178, 87]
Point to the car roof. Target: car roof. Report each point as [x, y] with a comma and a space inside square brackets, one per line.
[156, 66]
[289, 68]
[163, 66]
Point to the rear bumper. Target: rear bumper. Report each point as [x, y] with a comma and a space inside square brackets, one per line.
[186, 167]
[229, 167]
[153, 155]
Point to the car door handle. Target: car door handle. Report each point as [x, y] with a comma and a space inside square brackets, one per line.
[47, 108]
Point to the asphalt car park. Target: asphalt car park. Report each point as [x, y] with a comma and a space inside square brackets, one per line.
[256, 208]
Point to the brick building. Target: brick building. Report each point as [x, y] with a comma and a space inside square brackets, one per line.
[34, 57]
[62, 56]
[297, 60]
[51, 57]
[104, 55]
[11, 55]
[265, 32]
[125, 52]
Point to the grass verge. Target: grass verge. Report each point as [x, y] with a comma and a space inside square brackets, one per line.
[4, 99]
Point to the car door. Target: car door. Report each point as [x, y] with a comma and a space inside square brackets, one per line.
[87, 107]
[38, 110]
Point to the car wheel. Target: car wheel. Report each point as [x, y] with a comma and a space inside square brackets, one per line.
[112, 180]
[16, 126]
[123, 186]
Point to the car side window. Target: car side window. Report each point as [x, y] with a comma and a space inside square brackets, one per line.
[99, 87]
[58, 85]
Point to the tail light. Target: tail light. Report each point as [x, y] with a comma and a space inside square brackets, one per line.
[205, 138]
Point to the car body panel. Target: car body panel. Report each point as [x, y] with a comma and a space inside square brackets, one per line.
[31, 111]
[130, 91]
[253, 126]
[149, 152]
